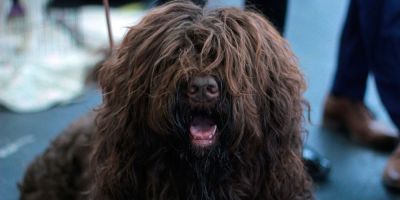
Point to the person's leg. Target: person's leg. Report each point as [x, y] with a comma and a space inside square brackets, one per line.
[384, 45]
[273, 10]
[352, 65]
[386, 68]
[344, 107]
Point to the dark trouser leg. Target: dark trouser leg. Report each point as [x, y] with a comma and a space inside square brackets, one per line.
[274, 10]
[386, 68]
[387, 77]
[357, 57]
[352, 67]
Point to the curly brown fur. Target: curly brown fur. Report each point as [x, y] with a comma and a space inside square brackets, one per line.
[62, 172]
[142, 148]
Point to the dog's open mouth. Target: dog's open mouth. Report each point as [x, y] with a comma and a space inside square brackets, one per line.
[203, 131]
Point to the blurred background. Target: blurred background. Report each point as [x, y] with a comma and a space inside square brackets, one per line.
[49, 48]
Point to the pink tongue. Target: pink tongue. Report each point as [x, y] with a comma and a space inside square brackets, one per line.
[202, 129]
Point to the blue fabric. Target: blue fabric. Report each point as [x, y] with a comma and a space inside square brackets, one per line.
[370, 43]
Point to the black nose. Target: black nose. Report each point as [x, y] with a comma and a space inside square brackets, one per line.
[203, 88]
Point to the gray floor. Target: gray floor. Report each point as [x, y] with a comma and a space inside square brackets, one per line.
[313, 27]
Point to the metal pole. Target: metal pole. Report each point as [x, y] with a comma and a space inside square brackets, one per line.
[107, 12]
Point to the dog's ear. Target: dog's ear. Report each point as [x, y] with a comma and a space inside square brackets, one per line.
[280, 84]
[262, 76]
[266, 84]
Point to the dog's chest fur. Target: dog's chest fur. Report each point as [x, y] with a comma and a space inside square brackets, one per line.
[188, 177]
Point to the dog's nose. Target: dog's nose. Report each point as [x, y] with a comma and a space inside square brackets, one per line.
[203, 88]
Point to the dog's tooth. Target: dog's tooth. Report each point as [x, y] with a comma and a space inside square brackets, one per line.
[210, 136]
[215, 130]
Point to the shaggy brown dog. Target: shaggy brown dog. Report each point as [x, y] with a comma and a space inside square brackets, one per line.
[197, 104]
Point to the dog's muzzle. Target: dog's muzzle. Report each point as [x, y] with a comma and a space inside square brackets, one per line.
[203, 89]
[203, 92]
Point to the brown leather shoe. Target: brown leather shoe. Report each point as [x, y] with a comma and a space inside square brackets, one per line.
[391, 174]
[354, 117]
